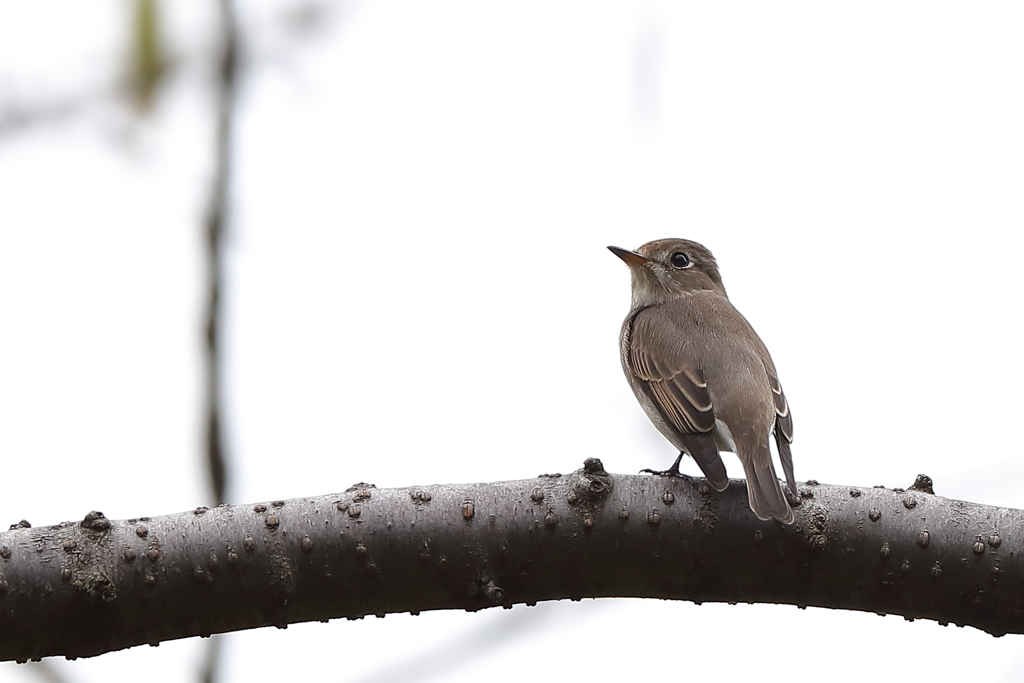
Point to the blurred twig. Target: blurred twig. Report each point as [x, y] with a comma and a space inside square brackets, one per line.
[465, 647]
[17, 117]
[153, 62]
[211, 663]
[46, 671]
[216, 219]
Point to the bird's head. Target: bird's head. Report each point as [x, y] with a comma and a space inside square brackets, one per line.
[667, 269]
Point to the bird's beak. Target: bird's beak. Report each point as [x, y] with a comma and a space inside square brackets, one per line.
[630, 257]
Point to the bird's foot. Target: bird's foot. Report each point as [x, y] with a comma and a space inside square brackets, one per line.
[794, 499]
[671, 472]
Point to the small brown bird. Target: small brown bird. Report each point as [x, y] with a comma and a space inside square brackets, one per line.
[701, 373]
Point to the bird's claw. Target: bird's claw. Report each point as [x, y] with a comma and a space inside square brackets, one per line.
[667, 473]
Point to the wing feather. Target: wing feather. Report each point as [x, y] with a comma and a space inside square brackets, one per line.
[680, 391]
[783, 431]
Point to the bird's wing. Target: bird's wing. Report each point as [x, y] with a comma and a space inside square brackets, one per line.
[783, 430]
[679, 390]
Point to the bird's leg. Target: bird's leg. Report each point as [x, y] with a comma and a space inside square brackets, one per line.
[671, 471]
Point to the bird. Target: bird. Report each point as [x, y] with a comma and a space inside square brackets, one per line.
[701, 373]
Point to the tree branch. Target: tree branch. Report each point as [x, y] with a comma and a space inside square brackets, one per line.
[215, 224]
[82, 589]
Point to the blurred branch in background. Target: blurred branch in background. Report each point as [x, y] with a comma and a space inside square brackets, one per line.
[148, 61]
[138, 83]
[216, 220]
[46, 672]
[481, 642]
[16, 117]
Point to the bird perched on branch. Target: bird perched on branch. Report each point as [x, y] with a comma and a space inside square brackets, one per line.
[701, 373]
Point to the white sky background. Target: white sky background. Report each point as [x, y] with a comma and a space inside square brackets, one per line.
[419, 291]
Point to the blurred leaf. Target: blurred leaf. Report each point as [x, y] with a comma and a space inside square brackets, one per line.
[148, 65]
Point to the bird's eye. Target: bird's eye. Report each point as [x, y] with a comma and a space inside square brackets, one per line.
[680, 260]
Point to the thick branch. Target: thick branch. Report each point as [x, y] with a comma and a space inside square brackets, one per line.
[81, 589]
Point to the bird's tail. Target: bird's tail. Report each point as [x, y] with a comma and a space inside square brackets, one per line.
[764, 492]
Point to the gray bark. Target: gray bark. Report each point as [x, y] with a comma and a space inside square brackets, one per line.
[85, 588]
